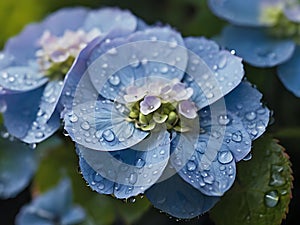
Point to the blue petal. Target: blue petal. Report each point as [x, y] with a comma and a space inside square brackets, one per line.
[177, 198]
[21, 78]
[244, 102]
[111, 19]
[17, 166]
[289, 73]
[238, 12]
[20, 114]
[35, 119]
[74, 216]
[102, 125]
[256, 47]
[128, 172]
[211, 72]
[292, 10]
[76, 80]
[153, 52]
[26, 41]
[48, 208]
[65, 19]
[210, 167]
[47, 119]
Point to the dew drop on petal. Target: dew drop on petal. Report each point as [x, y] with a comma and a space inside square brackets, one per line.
[3, 106]
[225, 157]
[250, 116]
[224, 120]
[248, 157]
[191, 165]
[85, 125]
[114, 80]
[237, 136]
[132, 178]
[108, 135]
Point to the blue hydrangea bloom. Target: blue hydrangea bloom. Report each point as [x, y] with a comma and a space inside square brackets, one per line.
[52, 207]
[14, 179]
[265, 34]
[157, 114]
[34, 63]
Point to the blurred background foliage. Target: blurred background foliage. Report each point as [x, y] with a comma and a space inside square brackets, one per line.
[191, 18]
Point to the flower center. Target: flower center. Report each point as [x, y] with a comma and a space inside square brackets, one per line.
[161, 103]
[282, 26]
[57, 54]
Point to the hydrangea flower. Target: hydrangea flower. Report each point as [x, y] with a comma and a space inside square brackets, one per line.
[157, 114]
[52, 207]
[34, 64]
[264, 33]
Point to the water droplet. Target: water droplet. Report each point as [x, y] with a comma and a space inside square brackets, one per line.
[105, 65]
[209, 179]
[85, 125]
[112, 51]
[237, 136]
[73, 118]
[173, 44]
[39, 135]
[239, 106]
[276, 178]
[114, 80]
[164, 69]
[248, 157]
[222, 61]
[101, 186]
[162, 152]
[32, 145]
[225, 157]
[132, 199]
[3, 106]
[271, 198]
[108, 135]
[140, 163]
[132, 178]
[209, 95]
[191, 165]
[224, 120]
[250, 116]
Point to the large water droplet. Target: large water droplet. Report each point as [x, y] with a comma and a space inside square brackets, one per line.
[132, 178]
[164, 69]
[140, 163]
[108, 135]
[224, 120]
[271, 198]
[85, 125]
[276, 178]
[250, 116]
[114, 80]
[237, 136]
[222, 61]
[209, 179]
[248, 157]
[191, 165]
[73, 118]
[225, 157]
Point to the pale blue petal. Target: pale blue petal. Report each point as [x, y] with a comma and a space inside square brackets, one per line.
[238, 12]
[292, 10]
[151, 52]
[211, 166]
[111, 19]
[21, 111]
[256, 47]
[289, 73]
[211, 72]
[102, 125]
[77, 81]
[65, 19]
[179, 199]
[128, 172]
[21, 78]
[245, 102]
[18, 163]
[50, 208]
[74, 216]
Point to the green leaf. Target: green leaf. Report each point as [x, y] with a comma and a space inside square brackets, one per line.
[62, 161]
[262, 191]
